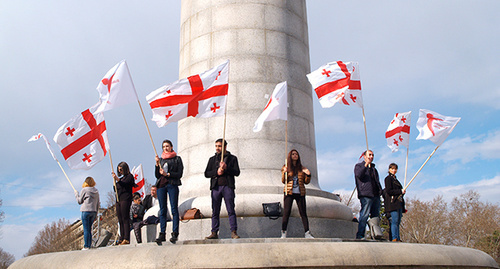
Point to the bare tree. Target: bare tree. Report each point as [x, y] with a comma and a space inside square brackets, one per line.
[51, 238]
[6, 259]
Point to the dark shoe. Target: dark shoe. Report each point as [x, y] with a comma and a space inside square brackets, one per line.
[213, 235]
[234, 235]
[161, 238]
[174, 237]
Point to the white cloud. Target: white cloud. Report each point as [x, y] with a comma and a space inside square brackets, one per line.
[468, 148]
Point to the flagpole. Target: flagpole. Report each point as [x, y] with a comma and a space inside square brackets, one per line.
[428, 158]
[286, 152]
[406, 165]
[66, 175]
[112, 171]
[225, 117]
[367, 148]
[353, 191]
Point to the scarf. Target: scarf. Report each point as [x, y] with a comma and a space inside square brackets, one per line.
[168, 155]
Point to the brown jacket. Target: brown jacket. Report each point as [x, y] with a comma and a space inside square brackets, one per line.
[303, 179]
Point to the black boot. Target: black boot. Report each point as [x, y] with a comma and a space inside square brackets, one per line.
[174, 237]
[161, 238]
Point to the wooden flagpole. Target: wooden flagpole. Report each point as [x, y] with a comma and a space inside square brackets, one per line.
[367, 148]
[286, 152]
[225, 117]
[406, 164]
[112, 171]
[66, 175]
[428, 158]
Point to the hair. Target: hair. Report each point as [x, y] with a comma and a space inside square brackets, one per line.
[89, 182]
[169, 142]
[220, 141]
[393, 165]
[124, 167]
[136, 196]
[294, 169]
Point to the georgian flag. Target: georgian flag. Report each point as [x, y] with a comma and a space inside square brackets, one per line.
[434, 126]
[139, 180]
[40, 135]
[398, 132]
[276, 108]
[337, 82]
[83, 140]
[200, 96]
[116, 88]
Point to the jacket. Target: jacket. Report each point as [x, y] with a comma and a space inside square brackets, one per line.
[175, 168]
[89, 199]
[393, 194]
[367, 180]
[124, 187]
[303, 179]
[232, 170]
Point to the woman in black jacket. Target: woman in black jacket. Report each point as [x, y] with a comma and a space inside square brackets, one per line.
[393, 201]
[124, 183]
[168, 171]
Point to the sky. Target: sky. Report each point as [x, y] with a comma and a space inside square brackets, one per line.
[438, 55]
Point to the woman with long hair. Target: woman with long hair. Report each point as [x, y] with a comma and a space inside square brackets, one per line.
[124, 183]
[295, 176]
[393, 201]
[89, 199]
[168, 171]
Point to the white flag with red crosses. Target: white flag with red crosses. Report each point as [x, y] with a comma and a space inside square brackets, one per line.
[139, 180]
[40, 135]
[83, 140]
[398, 132]
[200, 96]
[276, 108]
[337, 82]
[434, 126]
[116, 88]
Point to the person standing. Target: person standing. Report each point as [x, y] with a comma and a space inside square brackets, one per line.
[295, 176]
[222, 184]
[89, 199]
[168, 171]
[369, 191]
[124, 183]
[393, 201]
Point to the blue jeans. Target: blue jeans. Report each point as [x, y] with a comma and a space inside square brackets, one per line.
[370, 207]
[395, 222]
[88, 218]
[173, 194]
[227, 193]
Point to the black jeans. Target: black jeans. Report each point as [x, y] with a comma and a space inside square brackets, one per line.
[287, 208]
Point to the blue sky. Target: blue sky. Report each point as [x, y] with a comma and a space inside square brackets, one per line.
[439, 55]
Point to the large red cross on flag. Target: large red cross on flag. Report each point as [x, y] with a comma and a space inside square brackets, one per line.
[434, 126]
[203, 95]
[83, 139]
[139, 180]
[398, 132]
[337, 82]
[116, 88]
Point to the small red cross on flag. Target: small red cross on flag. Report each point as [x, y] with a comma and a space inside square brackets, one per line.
[337, 82]
[194, 96]
[139, 180]
[89, 143]
[398, 132]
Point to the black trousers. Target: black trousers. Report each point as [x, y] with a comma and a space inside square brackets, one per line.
[123, 214]
[287, 208]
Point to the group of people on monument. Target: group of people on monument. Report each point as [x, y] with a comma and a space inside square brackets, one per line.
[221, 169]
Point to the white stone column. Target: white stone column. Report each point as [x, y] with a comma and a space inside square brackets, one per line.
[266, 42]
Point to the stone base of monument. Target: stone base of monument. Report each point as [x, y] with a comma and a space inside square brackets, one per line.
[266, 253]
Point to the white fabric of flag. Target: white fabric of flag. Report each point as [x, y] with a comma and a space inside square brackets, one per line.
[337, 82]
[139, 180]
[434, 126]
[276, 108]
[83, 140]
[40, 135]
[116, 88]
[201, 96]
[398, 132]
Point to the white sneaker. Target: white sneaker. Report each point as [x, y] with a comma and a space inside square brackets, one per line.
[308, 235]
[85, 248]
[283, 234]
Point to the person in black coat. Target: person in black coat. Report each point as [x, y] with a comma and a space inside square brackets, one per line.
[124, 183]
[393, 201]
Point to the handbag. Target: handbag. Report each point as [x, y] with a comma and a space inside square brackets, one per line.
[193, 213]
[272, 210]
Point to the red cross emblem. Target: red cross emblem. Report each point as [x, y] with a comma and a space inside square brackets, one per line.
[403, 119]
[326, 72]
[192, 100]
[353, 98]
[83, 141]
[87, 157]
[396, 142]
[217, 77]
[70, 131]
[135, 176]
[169, 114]
[400, 138]
[214, 108]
